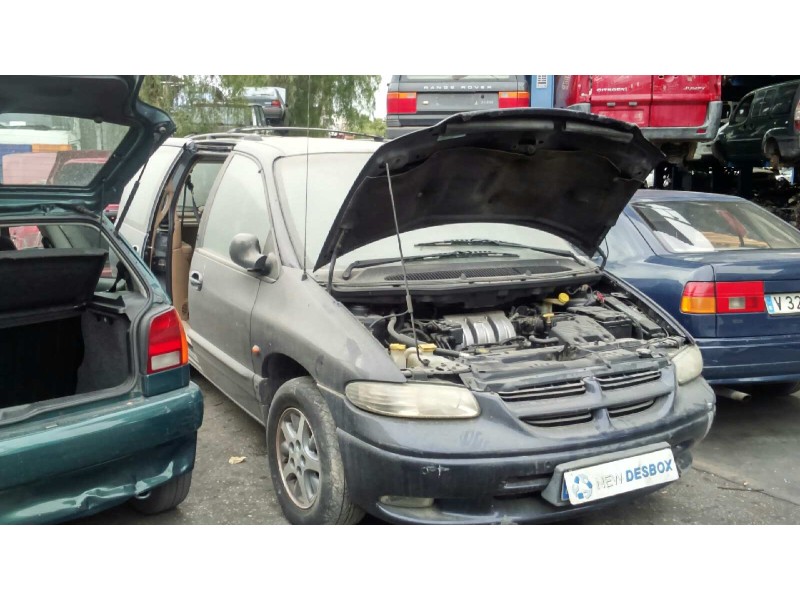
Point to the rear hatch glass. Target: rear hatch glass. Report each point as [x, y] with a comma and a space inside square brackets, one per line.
[51, 150]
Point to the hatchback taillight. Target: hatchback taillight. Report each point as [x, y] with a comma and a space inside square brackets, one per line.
[275, 103]
[401, 102]
[166, 343]
[513, 99]
[703, 297]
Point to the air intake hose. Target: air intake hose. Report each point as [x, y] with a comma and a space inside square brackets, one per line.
[409, 341]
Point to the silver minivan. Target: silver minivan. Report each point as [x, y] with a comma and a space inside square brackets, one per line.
[418, 324]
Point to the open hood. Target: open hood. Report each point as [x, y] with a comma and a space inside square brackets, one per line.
[97, 122]
[559, 171]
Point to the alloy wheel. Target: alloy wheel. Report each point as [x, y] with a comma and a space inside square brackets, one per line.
[298, 458]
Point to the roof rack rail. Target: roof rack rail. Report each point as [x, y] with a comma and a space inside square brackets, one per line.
[234, 134]
[287, 130]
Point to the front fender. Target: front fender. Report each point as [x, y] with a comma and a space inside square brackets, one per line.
[297, 318]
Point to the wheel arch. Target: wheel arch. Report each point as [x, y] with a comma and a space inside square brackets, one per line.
[277, 369]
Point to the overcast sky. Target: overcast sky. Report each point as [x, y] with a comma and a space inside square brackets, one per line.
[380, 97]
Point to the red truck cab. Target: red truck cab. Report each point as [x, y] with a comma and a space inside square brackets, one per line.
[675, 112]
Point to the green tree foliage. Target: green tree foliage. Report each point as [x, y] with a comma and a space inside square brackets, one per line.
[195, 101]
[318, 100]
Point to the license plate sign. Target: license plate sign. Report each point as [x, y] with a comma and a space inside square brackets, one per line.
[589, 484]
[783, 304]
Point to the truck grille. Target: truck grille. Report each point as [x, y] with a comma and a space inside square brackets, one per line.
[556, 389]
[623, 380]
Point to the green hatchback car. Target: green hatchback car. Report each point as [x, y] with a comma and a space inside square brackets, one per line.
[96, 404]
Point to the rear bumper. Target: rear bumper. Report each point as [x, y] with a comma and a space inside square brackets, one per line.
[696, 133]
[78, 463]
[764, 359]
[408, 123]
[502, 488]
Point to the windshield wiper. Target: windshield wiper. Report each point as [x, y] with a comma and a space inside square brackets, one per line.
[372, 262]
[498, 243]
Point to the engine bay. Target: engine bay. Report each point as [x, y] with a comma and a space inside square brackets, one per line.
[550, 329]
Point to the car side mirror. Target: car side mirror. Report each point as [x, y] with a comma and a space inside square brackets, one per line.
[245, 251]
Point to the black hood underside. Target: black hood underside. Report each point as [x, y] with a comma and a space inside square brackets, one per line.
[559, 171]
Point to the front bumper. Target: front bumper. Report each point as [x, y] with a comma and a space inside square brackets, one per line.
[77, 463]
[765, 359]
[503, 487]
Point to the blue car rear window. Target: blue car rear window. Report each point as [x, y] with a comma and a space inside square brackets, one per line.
[710, 226]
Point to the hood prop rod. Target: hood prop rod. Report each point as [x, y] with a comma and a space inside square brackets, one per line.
[409, 304]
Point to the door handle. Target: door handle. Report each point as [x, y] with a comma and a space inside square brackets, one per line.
[196, 279]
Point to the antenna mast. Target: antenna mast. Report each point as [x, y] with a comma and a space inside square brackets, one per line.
[305, 217]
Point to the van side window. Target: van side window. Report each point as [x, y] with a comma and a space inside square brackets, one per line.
[783, 102]
[767, 104]
[758, 103]
[239, 206]
[741, 112]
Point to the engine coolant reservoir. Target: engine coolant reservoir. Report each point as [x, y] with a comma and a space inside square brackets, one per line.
[427, 356]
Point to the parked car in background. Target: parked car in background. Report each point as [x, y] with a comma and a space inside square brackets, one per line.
[272, 101]
[728, 271]
[96, 406]
[417, 101]
[764, 126]
[675, 112]
[526, 385]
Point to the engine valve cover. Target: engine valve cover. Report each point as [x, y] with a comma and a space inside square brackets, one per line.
[484, 328]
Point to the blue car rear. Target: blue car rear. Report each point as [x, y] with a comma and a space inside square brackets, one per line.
[727, 269]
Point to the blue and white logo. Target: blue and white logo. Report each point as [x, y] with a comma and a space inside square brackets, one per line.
[581, 487]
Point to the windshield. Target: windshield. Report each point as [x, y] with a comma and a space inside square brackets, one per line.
[38, 149]
[710, 226]
[330, 177]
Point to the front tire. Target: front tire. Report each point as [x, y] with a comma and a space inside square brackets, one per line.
[304, 459]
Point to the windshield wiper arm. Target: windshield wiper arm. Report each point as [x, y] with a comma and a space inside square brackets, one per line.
[372, 262]
[498, 243]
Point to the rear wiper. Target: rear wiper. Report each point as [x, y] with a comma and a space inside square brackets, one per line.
[501, 244]
[372, 262]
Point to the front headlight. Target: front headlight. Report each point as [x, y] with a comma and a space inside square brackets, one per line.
[688, 364]
[413, 400]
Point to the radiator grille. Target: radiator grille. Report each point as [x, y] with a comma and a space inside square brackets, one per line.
[556, 389]
[623, 380]
[630, 409]
[560, 421]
